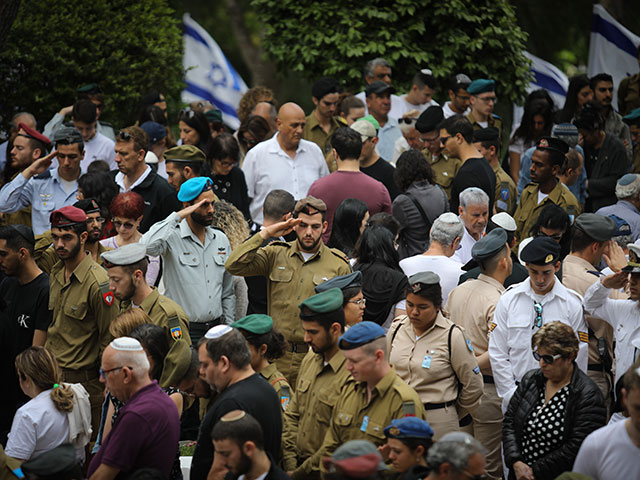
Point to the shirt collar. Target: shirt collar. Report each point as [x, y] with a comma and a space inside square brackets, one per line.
[555, 291]
[120, 179]
[384, 384]
[274, 146]
[185, 231]
[492, 281]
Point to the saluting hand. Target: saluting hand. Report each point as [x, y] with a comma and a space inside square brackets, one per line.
[616, 280]
[39, 166]
[185, 212]
[280, 229]
[614, 256]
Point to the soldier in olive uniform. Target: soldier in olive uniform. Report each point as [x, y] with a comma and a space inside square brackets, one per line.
[375, 397]
[633, 120]
[444, 168]
[320, 381]
[83, 307]
[127, 267]
[266, 345]
[292, 270]
[546, 163]
[487, 141]
[483, 101]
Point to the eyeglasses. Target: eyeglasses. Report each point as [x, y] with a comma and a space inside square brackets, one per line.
[537, 307]
[361, 303]
[125, 225]
[225, 164]
[408, 121]
[104, 373]
[126, 136]
[430, 140]
[548, 359]
[444, 140]
[488, 99]
[556, 236]
[187, 112]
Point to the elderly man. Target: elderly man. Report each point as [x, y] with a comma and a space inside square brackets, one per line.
[444, 239]
[474, 213]
[627, 207]
[379, 104]
[456, 456]
[147, 431]
[285, 161]
[379, 70]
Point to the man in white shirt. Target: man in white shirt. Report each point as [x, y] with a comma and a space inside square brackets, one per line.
[375, 70]
[460, 98]
[523, 308]
[444, 237]
[613, 452]
[474, 213]
[379, 105]
[285, 161]
[420, 97]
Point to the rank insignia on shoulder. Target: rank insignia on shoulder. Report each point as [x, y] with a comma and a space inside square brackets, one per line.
[469, 346]
[476, 370]
[176, 333]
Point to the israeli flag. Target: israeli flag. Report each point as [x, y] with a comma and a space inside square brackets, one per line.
[612, 49]
[208, 73]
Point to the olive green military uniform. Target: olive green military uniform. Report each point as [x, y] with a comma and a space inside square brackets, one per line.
[22, 216]
[167, 314]
[279, 384]
[290, 280]
[440, 366]
[46, 257]
[83, 307]
[493, 121]
[629, 94]
[307, 419]
[355, 418]
[314, 133]
[444, 169]
[506, 191]
[529, 209]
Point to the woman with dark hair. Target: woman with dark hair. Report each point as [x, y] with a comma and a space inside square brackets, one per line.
[433, 356]
[228, 180]
[252, 131]
[578, 93]
[383, 282]
[348, 224]
[194, 130]
[537, 121]
[419, 204]
[553, 409]
[408, 442]
[554, 222]
[101, 186]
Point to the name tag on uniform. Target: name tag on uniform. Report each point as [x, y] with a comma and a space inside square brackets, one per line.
[365, 423]
[426, 361]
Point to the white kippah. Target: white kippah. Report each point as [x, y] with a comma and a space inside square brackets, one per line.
[504, 220]
[217, 331]
[426, 71]
[126, 344]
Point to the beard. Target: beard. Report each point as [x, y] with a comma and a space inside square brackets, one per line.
[243, 466]
[203, 220]
[73, 253]
[128, 293]
[312, 247]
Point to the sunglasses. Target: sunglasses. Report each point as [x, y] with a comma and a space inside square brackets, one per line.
[537, 307]
[187, 112]
[556, 236]
[548, 359]
[444, 140]
[408, 121]
[126, 136]
[125, 225]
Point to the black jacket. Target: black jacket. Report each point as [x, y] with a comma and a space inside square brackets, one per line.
[584, 413]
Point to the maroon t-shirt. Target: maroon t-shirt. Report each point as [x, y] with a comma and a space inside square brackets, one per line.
[145, 434]
[340, 185]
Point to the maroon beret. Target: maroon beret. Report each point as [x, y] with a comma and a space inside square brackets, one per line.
[67, 216]
[363, 466]
[25, 131]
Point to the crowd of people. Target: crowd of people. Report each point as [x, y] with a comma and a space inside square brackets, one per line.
[385, 287]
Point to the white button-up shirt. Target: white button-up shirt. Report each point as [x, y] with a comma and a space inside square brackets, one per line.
[510, 341]
[268, 167]
[463, 253]
[624, 317]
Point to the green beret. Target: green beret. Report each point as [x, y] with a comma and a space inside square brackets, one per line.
[184, 153]
[481, 85]
[598, 227]
[310, 206]
[90, 88]
[633, 118]
[325, 302]
[256, 323]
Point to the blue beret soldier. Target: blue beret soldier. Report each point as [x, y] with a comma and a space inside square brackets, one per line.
[408, 441]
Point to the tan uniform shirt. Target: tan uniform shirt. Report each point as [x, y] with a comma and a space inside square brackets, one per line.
[314, 133]
[83, 308]
[307, 419]
[429, 367]
[529, 209]
[290, 280]
[506, 191]
[444, 169]
[471, 306]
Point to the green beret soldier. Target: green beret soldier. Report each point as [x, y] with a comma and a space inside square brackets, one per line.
[483, 101]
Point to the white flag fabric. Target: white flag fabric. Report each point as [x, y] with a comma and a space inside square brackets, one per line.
[208, 73]
[612, 49]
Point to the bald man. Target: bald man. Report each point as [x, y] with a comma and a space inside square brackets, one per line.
[285, 161]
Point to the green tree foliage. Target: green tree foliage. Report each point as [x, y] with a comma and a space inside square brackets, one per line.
[55, 46]
[480, 38]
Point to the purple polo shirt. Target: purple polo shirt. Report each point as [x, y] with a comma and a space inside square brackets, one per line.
[145, 434]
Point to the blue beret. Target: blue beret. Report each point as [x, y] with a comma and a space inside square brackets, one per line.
[409, 427]
[481, 85]
[622, 227]
[125, 255]
[193, 187]
[541, 251]
[360, 334]
[343, 281]
[633, 117]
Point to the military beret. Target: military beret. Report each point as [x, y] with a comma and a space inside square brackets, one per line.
[360, 334]
[59, 462]
[343, 281]
[184, 153]
[88, 205]
[67, 216]
[193, 187]
[25, 232]
[324, 86]
[489, 245]
[505, 221]
[176, 364]
[633, 266]
[152, 97]
[429, 120]
[541, 251]
[632, 118]
[89, 88]
[213, 115]
[481, 85]
[409, 427]
[598, 227]
[486, 134]
[553, 144]
[355, 459]
[256, 323]
[310, 205]
[325, 302]
[365, 128]
[622, 227]
[154, 131]
[67, 136]
[378, 87]
[24, 131]
[125, 255]
[418, 280]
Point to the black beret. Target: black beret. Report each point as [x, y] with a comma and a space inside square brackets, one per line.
[553, 144]
[541, 251]
[486, 134]
[429, 120]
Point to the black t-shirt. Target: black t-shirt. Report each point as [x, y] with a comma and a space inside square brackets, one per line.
[475, 172]
[383, 172]
[255, 396]
[233, 189]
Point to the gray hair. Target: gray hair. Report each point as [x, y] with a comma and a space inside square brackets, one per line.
[137, 361]
[20, 115]
[623, 241]
[473, 196]
[628, 188]
[455, 449]
[371, 65]
[446, 228]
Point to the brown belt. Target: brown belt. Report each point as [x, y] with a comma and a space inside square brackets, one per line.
[297, 347]
[79, 376]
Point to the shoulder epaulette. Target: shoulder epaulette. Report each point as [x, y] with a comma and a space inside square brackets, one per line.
[279, 243]
[407, 395]
[44, 175]
[340, 254]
